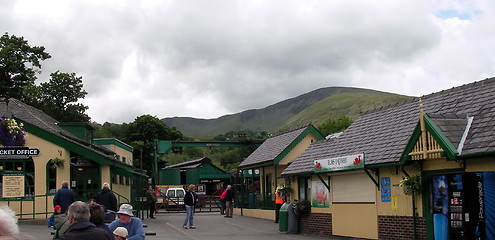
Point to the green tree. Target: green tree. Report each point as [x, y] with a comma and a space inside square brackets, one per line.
[60, 95]
[147, 129]
[334, 125]
[19, 64]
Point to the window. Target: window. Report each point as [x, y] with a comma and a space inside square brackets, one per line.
[121, 180]
[113, 178]
[51, 178]
[22, 167]
[303, 190]
[124, 159]
[351, 188]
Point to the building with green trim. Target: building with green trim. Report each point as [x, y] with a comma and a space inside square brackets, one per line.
[64, 152]
[269, 160]
[200, 171]
[440, 148]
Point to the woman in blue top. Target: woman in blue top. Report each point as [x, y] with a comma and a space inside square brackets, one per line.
[189, 201]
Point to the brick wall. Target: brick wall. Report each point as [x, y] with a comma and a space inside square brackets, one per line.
[316, 223]
[400, 227]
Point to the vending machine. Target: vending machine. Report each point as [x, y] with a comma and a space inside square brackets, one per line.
[459, 206]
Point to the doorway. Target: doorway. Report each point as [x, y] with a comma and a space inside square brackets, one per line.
[85, 182]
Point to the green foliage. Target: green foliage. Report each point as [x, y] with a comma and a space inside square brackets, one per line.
[143, 132]
[334, 125]
[411, 185]
[110, 130]
[301, 207]
[19, 64]
[60, 95]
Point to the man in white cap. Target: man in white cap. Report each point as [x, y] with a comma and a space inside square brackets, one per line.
[127, 220]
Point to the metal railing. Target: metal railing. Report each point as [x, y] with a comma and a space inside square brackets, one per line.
[35, 206]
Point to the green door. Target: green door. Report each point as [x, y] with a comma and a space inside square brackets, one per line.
[84, 182]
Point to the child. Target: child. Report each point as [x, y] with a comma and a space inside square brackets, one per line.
[51, 221]
[120, 233]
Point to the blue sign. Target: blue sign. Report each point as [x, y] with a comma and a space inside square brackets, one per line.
[385, 189]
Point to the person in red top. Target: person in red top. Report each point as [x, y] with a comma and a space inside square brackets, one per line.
[280, 199]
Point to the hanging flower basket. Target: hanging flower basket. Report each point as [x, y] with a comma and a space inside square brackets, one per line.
[283, 190]
[57, 162]
[411, 185]
[11, 132]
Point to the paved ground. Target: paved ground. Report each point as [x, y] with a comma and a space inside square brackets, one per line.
[209, 226]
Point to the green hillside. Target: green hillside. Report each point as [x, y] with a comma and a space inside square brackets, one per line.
[315, 106]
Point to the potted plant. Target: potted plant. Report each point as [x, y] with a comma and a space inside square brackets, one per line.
[301, 207]
[411, 185]
[11, 132]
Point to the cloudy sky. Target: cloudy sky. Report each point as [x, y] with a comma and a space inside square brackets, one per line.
[205, 59]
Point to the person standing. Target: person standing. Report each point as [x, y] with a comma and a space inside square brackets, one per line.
[106, 198]
[64, 197]
[280, 199]
[229, 202]
[80, 226]
[151, 199]
[126, 219]
[190, 200]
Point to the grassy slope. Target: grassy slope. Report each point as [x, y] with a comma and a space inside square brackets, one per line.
[315, 106]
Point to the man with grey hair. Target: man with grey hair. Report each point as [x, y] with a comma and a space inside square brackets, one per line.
[64, 197]
[8, 223]
[80, 226]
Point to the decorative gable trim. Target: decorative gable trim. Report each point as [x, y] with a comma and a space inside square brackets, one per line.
[307, 131]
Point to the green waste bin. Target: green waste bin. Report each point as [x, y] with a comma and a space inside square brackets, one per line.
[283, 217]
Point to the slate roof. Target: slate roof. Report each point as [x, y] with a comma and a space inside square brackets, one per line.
[39, 119]
[382, 135]
[272, 147]
[452, 126]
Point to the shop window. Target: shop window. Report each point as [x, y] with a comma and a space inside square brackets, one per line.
[51, 178]
[352, 188]
[113, 178]
[127, 181]
[18, 167]
[121, 180]
[303, 188]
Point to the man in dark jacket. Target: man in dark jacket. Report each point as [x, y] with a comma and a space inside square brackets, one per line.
[107, 199]
[229, 202]
[64, 197]
[81, 227]
[151, 200]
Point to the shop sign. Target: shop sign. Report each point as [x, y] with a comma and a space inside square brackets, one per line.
[18, 153]
[13, 186]
[355, 161]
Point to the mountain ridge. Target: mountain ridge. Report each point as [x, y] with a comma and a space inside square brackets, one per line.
[315, 106]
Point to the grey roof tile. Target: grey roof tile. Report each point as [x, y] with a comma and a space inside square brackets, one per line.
[382, 135]
[272, 147]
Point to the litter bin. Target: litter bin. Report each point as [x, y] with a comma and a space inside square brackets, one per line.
[283, 222]
[292, 220]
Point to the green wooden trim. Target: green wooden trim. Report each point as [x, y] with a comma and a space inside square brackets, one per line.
[264, 164]
[114, 141]
[306, 132]
[410, 144]
[299, 174]
[101, 159]
[477, 155]
[436, 132]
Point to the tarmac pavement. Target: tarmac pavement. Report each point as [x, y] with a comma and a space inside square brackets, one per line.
[209, 226]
